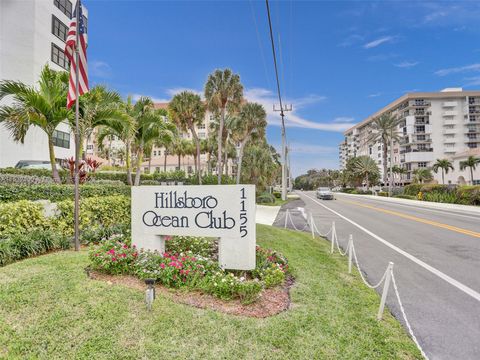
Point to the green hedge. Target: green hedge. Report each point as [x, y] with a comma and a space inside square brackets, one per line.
[466, 195]
[56, 193]
[266, 198]
[36, 242]
[21, 217]
[178, 175]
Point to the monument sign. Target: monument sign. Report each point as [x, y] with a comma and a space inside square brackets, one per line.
[223, 211]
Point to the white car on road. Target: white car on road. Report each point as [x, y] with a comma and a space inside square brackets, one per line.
[325, 193]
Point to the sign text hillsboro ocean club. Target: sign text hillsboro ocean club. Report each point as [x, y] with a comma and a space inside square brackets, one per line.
[204, 218]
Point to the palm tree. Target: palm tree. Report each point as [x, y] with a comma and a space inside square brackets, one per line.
[223, 90]
[98, 107]
[443, 164]
[261, 165]
[44, 107]
[366, 168]
[149, 125]
[251, 121]
[422, 174]
[187, 111]
[472, 163]
[384, 130]
[208, 147]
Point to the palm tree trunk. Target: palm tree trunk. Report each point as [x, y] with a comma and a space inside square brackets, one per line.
[239, 164]
[197, 153]
[139, 164]
[385, 166]
[366, 180]
[219, 153]
[225, 162]
[471, 175]
[51, 152]
[443, 178]
[128, 162]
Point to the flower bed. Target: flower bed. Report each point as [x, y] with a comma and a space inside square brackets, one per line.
[191, 263]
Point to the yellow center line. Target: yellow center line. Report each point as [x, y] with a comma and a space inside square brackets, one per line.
[414, 218]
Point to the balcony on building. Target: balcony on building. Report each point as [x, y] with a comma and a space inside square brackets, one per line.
[450, 131]
[449, 104]
[450, 113]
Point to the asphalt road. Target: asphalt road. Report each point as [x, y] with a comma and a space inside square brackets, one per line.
[436, 256]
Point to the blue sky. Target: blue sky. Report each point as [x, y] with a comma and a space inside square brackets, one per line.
[339, 61]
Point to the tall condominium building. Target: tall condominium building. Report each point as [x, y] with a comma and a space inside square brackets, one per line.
[32, 34]
[433, 125]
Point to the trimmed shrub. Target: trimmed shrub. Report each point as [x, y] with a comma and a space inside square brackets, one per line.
[211, 179]
[403, 196]
[16, 179]
[412, 189]
[21, 217]
[383, 193]
[95, 213]
[468, 195]
[36, 242]
[277, 194]
[56, 193]
[266, 198]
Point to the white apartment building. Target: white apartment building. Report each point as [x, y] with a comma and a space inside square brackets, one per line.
[33, 33]
[434, 125]
[187, 163]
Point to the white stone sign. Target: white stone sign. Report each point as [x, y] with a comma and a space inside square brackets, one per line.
[223, 211]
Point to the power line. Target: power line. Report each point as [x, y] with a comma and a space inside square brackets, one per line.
[282, 115]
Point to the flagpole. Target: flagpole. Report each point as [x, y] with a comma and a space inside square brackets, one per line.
[77, 134]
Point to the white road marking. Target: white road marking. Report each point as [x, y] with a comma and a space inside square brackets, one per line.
[451, 281]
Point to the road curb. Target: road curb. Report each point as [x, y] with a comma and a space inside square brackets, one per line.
[424, 204]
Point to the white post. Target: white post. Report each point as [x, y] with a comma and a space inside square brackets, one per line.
[311, 226]
[385, 290]
[350, 253]
[334, 236]
[286, 219]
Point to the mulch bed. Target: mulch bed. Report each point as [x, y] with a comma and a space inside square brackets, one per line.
[271, 301]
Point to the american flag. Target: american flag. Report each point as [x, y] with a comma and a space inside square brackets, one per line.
[82, 55]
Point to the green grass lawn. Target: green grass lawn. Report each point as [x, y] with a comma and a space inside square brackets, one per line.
[49, 309]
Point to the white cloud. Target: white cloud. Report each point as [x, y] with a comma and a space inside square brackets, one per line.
[292, 119]
[378, 42]
[407, 64]
[460, 69]
[375, 95]
[343, 119]
[434, 16]
[472, 81]
[99, 69]
[351, 40]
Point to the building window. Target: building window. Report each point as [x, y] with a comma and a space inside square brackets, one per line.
[420, 129]
[89, 147]
[472, 145]
[370, 150]
[422, 147]
[201, 135]
[420, 137]
[61, 139]
[422, 164]
[201, 126]
[154, 152]
[58, 57]
[59, 29]
[65, 6]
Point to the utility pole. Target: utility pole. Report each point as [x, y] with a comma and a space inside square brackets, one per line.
[282, 111]
[390, 183]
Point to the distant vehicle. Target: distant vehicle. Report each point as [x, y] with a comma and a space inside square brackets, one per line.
[324, 193]
[33, 164]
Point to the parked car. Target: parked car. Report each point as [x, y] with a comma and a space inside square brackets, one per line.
[325, 193]
[33, 164]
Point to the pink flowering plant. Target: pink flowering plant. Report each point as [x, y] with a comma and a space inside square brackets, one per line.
[191, 262]
[113, 257]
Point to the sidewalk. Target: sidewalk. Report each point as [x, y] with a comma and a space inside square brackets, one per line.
[425, 204]
[266, 215]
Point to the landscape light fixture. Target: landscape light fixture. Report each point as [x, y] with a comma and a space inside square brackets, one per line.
[149, 293]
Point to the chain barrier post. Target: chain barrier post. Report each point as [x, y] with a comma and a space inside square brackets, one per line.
[385, 290]
[286, 219]
[350, 253]
[334, 236]
[311, 226]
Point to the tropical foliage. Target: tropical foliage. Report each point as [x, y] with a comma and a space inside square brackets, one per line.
[444, 165]
[470, 163]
